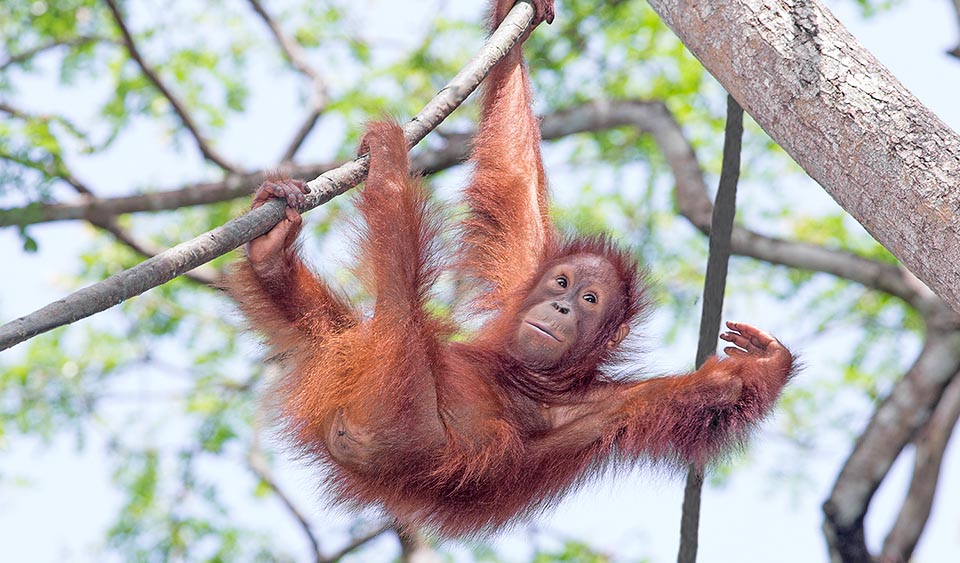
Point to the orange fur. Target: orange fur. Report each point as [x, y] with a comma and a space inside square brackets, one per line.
[459, 436]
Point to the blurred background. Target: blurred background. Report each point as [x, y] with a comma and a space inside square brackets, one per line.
[134, 435]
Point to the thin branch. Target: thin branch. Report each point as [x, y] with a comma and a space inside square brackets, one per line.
[319, 97]
[930, 444]
[15, 112]
[291, 49]
[316, 110]
[258, 464]
[28, 54]
[188, 255]
[205, 147]
[894, 422]
[714, 287]
[356, 542]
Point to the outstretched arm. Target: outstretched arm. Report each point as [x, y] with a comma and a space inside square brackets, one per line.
[275, 289]
[692, 417]
[507, 227]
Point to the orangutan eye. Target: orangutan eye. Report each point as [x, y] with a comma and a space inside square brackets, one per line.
[561, 281]
[590, 298]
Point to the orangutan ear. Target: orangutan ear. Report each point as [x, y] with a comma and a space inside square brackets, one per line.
[618, 336]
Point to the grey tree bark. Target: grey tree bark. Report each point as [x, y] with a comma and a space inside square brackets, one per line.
[883, 156]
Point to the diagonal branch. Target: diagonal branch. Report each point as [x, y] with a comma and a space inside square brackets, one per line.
[303, 131]
[258, 464]
[205, 274]
[28, 54]
[205, 147]
[319, 97]
[188, 255]
[356, 542]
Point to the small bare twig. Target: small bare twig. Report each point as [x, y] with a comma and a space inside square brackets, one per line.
[205, 147]
[28, 54]
[188, 255]
[316, 110]
[318, 92]
[356, 542]
[291, 50]
[258, 464]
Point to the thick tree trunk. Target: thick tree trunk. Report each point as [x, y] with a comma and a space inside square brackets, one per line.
[887, 159]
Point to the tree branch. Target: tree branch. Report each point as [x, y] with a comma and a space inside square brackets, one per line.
[318, 93]
[205, 147]
[931, 442]
[356, 542]
[258, 464]
[28, 54]
[894, 422]
[188, 255]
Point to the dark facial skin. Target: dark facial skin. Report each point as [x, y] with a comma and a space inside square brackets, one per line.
[568, 304]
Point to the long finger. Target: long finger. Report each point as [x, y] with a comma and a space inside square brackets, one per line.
[738, 339]
[758, 337]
